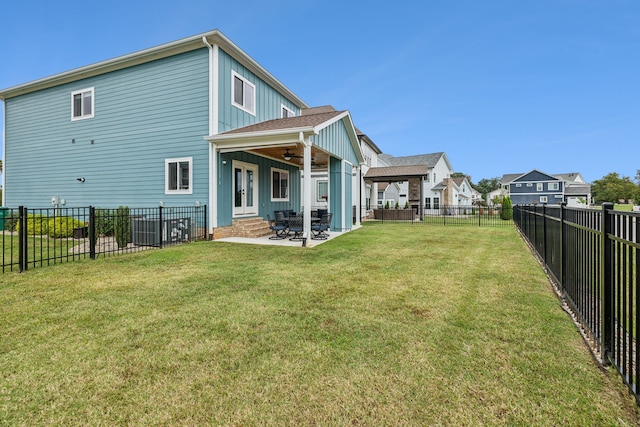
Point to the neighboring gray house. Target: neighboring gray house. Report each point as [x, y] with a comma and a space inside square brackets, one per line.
[539, 187]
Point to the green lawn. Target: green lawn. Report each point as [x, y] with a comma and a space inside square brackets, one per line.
[388, 325]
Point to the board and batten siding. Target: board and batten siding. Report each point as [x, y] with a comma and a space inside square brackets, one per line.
[335, 139]
[265, 205]
[268, 101]
[143, 115]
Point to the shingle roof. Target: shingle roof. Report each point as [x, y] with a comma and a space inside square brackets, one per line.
[396, 173]
[307, 120]
[429, 160]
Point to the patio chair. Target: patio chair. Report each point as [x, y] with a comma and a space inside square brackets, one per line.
[296, 227]
[319, 230]
[278, 227]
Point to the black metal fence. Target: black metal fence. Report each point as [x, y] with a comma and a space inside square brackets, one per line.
[37, 237]
[593, 258]
[445, 215]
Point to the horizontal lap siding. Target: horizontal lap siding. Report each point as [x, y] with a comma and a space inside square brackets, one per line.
[143, 115]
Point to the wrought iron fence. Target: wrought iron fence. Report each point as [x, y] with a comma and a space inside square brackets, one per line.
[593, 259]
[37, 237]
[445, 215]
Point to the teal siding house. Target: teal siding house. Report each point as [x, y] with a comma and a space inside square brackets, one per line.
[192, 122]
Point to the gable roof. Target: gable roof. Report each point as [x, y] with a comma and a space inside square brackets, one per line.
[298, 122]
[430, 160]
[569, 178]
[188, 44]
[395, 173]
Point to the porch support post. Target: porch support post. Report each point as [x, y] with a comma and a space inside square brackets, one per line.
[306, 186]
[213, 186]
[359, 196]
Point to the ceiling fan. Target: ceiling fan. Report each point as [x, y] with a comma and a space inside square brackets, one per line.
[288, 156]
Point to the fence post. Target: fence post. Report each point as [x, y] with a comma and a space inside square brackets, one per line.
[160, 236]
[562, 248]
[22, 239]
[606, 272]
[544, 233]
[206, 225]
[92, 232]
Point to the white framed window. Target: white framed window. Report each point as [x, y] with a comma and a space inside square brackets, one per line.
[427, 202]
[287, 112]
[518, 185]
[554, 186]
[529, 184]
[243, 93]
[323, 191]
[543, 199]
[539, 186]
[82, 104]
[279, 185]
[436, 203]
[178, 176]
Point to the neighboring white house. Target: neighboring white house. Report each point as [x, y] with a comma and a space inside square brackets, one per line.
[431, 170]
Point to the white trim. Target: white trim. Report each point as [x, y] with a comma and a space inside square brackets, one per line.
[93, 104]
[281, 171]
[256, 189]
[245, 81]
[546, 199]
[213, 185]
[166, 175]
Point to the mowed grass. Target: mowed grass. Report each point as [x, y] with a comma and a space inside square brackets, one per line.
[388, 325]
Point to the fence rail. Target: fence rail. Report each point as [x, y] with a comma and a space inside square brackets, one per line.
[593, 258]
[444, 215]
[33, 238]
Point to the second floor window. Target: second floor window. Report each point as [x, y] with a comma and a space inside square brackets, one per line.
[82, 104]
[540, 186]
[553, 186]
[286, 112]
[244, 94]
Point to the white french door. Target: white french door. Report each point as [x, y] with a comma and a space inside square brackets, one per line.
[245, 189]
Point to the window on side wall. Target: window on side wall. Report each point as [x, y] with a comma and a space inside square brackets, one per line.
[244, 94]
[279, 185]
[427, 202]
[178, 176]
[82, 104]
[553, 186]
[539, 186]
[436, 203]
[323, 191]
[287, 112]
[543, 199]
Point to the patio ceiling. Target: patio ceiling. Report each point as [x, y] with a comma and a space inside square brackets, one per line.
[319, 158]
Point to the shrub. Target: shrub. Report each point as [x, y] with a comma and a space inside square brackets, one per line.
[406, 204]
[63, 226]
[104, 220]
[507, 210]
[397, 205]
[386, 206]
[121, 227]
[36, 225]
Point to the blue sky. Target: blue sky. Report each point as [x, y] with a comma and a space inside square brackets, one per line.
[501, 86]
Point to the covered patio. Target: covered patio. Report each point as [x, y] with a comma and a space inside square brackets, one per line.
[317, 140]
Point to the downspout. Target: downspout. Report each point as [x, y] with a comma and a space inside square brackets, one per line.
[4, 151]
[213, 129]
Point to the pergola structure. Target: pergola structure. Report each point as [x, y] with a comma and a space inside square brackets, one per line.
[413, 174]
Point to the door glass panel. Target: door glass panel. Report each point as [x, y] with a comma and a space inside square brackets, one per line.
[238, 188]
[249, 185]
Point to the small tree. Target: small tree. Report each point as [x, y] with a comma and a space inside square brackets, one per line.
[121, 227]
[406, 204]
[386, 205]
[507, 211]
[397, 205]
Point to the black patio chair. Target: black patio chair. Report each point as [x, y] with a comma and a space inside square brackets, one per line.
[319, 230]
[296, 226]
[278, 227]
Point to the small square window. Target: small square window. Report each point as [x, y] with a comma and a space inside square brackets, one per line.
[243, 94]
[82, 104]
[543, 199]
[553, 186]
[178, 176]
